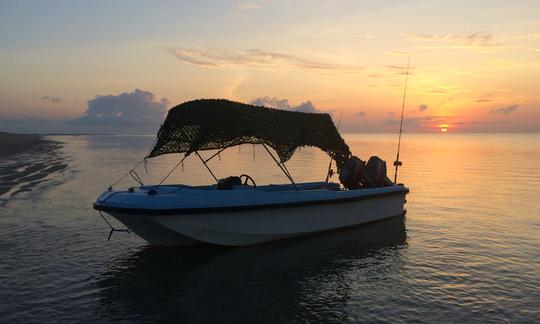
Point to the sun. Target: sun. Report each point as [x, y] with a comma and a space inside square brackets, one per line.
[443, 127]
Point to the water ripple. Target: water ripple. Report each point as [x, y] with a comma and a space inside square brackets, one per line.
[468, 250]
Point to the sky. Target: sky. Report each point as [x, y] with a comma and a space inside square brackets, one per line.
[118, 66]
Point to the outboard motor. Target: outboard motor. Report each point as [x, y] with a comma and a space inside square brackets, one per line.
[351, 173]
[374, 174]
[357, 174]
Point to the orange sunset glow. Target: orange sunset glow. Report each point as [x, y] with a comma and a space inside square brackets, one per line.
[318, 57]
[443, 127]
[270, 161]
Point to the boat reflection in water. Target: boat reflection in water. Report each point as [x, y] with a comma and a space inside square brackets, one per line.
[304, 279]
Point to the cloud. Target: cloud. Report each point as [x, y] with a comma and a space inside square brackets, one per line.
[129, 108]
[413, 122]
[375, 75]
[423, 122]
[274, 102]
[530, 36]
[361, 114]
[422, 107]
[256, 58]
[505, 110]
[306, 107]
[134, 112]
[399, 69]
[445, 101]
[485, 98]
[475, 40]
[51, 99]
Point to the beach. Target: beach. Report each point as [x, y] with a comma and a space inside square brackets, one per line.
[27, 160]
[11, 143]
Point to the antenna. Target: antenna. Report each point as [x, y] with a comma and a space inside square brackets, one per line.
[397, 162]
[329, 173]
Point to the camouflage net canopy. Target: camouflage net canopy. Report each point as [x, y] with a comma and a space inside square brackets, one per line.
[210, 124]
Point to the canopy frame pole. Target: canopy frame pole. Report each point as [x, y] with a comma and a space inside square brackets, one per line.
[281, 166]
[215, 154]
[289, 176]
[170, 172]
[285, 167]
[206, 165]
[287, 173]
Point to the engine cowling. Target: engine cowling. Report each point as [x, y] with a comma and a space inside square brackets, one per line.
[374, 174]
[351, 173]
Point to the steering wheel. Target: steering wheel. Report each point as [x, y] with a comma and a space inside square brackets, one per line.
[246, 180]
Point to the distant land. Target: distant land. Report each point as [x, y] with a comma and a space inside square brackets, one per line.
[13, 143]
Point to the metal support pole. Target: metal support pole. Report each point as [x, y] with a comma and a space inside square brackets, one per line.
[170, 172]
[214, 155]
[204, 162]
[283, 168]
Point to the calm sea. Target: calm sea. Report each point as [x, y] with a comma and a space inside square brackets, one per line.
[468, 249]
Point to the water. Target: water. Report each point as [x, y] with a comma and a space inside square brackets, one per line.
[467, 250]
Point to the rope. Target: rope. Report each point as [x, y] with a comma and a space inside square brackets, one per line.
[136, 177]
[127, 230]
[125, 175]
[151, 147]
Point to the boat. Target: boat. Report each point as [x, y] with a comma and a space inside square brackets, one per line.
[235, 211]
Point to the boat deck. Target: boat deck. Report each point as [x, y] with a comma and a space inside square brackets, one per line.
[184, 198]
[267, 188]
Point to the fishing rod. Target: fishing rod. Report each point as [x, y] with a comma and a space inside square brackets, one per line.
[397, 162]
[330, 164]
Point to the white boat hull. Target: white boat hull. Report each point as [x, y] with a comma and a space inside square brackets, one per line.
[238, 227]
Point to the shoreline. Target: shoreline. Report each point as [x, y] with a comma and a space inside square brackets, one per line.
[11, 143]
[27, 160]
